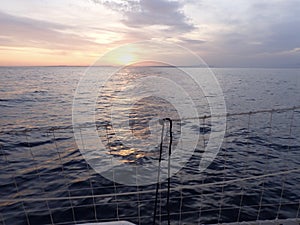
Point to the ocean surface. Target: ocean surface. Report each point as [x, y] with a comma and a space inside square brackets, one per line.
[46, 180]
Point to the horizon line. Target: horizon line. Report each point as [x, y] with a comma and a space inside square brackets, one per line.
[167, 66]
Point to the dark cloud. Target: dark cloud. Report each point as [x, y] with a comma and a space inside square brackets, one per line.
[263, 33]
[283, 36]
[12, 22]
[19, 31]
[143, 13]
[191, 43]
[120, 6]
[275, 25]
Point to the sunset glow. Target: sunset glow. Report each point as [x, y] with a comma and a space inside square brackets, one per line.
[126, 55]
[125, 59]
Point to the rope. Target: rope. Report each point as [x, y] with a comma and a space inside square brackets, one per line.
[158, 172]
[158, 189]
[169, 172]
[162, 122]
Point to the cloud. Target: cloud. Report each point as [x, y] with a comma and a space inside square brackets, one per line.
[193, 44]
[164, 14]
[120, 6]
[275, 25]
[252, 32]
[257, 32]
[19, 31]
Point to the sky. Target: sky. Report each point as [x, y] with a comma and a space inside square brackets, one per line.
[224, 33]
